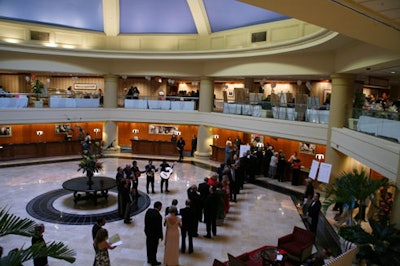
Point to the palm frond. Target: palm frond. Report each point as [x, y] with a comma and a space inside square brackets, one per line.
[59, 250]
[11, 224]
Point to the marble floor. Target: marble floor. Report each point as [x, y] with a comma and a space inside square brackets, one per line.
[259, 217]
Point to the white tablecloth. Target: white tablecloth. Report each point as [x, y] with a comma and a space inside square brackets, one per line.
[182, 105]
[8, 102]
[163, 105]
[232, 108]
[57, 102]
[379, 127]
[317, 116]
[135, 104]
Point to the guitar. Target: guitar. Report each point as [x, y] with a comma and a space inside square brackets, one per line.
[167, 173]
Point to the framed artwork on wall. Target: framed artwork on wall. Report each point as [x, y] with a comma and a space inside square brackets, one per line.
[307, 148]
[5, 131]
[163, 129]
[62, 128]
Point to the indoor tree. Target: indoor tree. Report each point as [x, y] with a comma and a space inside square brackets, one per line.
[11, 224]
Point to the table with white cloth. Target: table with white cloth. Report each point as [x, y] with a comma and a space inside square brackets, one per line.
[279, 112]
[59, 102]
[155, 104]
[14, 102]
[135, 104]
[232, 108]
[379, 127]
[242, 109]
[183, 105]
[252, 110]
[317, 116]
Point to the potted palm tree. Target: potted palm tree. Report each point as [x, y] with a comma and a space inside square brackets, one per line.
[381, 246]
[352, 189]
[14, 225]
[37, 89]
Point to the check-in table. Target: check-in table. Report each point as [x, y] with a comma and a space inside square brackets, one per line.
[135, 104]
[14, 102]
[59, 102]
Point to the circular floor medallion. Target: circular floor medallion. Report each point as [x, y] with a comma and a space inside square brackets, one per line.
[54, 207]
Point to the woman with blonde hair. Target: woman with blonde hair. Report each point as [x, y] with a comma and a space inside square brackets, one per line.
[101, 247]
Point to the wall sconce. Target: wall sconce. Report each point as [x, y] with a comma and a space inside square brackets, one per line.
[159, 80]
[319, 156]
[39, 132]
[260, 145]
[96, 130]
[216, 136]
[178, 133]
[135, 131]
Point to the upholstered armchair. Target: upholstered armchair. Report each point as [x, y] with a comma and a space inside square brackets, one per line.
[298, 245]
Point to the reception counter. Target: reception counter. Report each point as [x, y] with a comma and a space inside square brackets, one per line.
[217, 153]
[154, 147]
[39, 149]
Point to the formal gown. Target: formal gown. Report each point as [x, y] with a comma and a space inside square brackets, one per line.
[102, 258]
[171, 254]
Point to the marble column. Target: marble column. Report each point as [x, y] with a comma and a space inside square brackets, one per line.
[206, 104]
[342, 100]
[110, 128]
[204, 140]
[206, 97]
[249, 84]
[111, 91]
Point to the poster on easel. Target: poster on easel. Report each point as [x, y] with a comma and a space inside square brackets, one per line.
[313, 170]
[324, 172]
[243, 150]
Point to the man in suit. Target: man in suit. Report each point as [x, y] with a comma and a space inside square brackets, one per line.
[210, 212]
[195, 204]
[203, 189]
[153, 231]
[313, 212]
[180, 146]
[188, 226]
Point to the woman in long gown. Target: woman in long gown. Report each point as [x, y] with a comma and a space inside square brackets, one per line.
[101, 247]
[173, 224]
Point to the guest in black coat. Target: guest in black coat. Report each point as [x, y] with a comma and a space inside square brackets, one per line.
[195, 204]
[189, 227]
[126, 200]
[313, 212]
[210, 212]
[153, 231]
[204, 190]
[37, 240]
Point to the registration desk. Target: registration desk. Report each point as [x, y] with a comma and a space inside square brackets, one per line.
[14, 102]
[154, 147]
[39, 149]
[217, 153]
[379, 127]
[59, 102]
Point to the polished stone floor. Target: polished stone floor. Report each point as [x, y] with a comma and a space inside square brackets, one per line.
[259, 217]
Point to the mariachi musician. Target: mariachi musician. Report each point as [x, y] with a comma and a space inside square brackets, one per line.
[165, 172]
[150, 171]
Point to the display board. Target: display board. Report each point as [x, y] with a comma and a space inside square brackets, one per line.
[313, 170]
[324, 172]
[243, 150]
